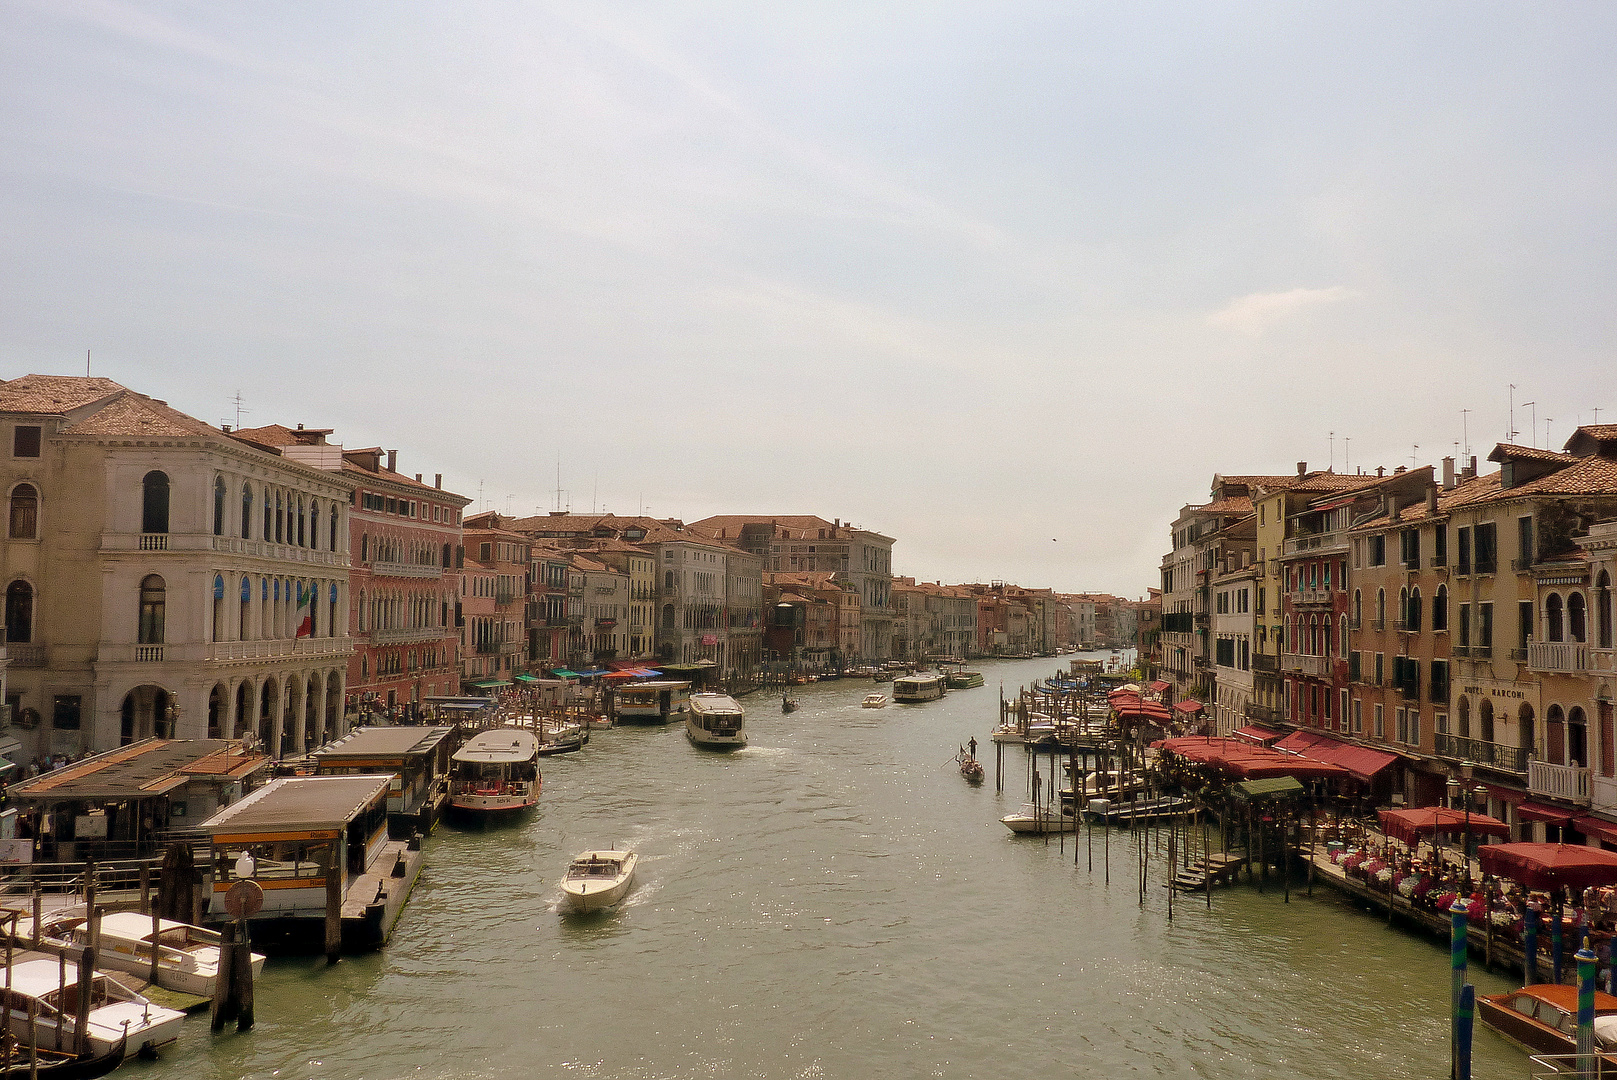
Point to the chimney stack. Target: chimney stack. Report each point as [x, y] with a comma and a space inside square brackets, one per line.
[1302, 467]
[418, 478]
[438, 480]
[1381, 470]
[1448, 473]
[1431, 499]
[392, 461]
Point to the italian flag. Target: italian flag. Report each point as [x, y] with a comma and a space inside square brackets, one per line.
[305, 610]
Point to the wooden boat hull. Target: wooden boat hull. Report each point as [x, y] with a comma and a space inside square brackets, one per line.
[1039, 824]
[53, 1067]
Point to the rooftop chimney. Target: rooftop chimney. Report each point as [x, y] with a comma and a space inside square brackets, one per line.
[392, 460]
[300, 427]
[1448, 473]
[1400, 470]
[418, 478]
[438, 480]
[225, 428]
[1431, 499]
[1302, 467]
[1381, 470]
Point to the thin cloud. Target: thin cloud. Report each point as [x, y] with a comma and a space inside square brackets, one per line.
[1256, 312]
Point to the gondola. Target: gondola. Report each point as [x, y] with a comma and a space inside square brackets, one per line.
[971, 769]
[787, 703]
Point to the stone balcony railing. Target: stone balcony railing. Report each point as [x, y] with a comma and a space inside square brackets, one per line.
[1324, 542]
[1304, 664]
[406, 570]
[278, 649]
[25, 655]
[406, 635]
[193, 543]
[1603, 793]
[1568, 782]
[1568, 656]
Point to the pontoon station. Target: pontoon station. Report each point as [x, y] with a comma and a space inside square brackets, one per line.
[418, 758]
[318, 847]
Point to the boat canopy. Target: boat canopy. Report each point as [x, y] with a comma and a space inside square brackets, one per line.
[524, 677]
[497, 746]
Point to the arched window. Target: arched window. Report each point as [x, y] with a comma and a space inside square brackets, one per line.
[301, 538]
[244, 631]
[19, 611]
[1555, 735]
[1403, 607]
[334, 527]
[364, 547]
[1577, 623]
[1554, 629]
[269, 516]
[448, 556]
[1463, 707]
[24, 512]
[280, 518]
[1485, 720]
[218, 506]
[1358, 607]
[152, 604]
[1603, 610]
[1381, 608]
[364, 623]
[1342, 638]
[1577, 736]
[1440, 608]
[1412, 616]
[154, 503]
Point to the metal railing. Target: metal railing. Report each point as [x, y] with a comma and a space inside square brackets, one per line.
[1494, 755]
[23, 655]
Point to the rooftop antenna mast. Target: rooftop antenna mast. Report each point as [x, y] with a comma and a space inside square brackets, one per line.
[1347, 448]
[480, 496]
[1510, 435]
[86, 363]
[1548, 420]
[1331, 461]
[1414, 454]
[1532, 430]
[1465, 430]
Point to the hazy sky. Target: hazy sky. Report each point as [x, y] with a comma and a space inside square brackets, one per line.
[1006, 281]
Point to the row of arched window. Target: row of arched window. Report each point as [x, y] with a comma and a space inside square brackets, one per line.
[277, 515]
[245, 610]
[414, 553]
[402, 611]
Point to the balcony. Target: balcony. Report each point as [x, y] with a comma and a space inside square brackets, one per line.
[148, 654]
[1303, 664]
[1492, 755]
[1315, 595]
[1482, 652]
[407, 635]
[1263, 714]
[1322, 544]
[1568, 782]
[235, 545]
[1265, 662]
[1378, 625]
[406, 570]
[1354, 621]
[154, 541]
[504, 596]
[1521, 564]
[23, 655]
[278, 649]
[486, 648]
[1566, 656]
[1518, 654]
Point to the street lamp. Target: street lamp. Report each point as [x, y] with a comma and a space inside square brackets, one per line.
[1465, 792]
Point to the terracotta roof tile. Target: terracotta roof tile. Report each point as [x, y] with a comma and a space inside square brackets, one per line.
[53, 394]
[1532, 453]
[138, 416]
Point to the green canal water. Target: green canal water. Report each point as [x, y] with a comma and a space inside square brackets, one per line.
[833, 902]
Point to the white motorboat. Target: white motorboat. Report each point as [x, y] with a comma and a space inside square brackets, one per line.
[497, 771]
[874, 701]
[1040, 820]
[716, 722]
[598, 879]
[187, 956]
[113, 1008]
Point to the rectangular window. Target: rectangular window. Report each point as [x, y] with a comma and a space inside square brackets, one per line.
[1465, 625]
[1485, 625]
[1402, 722]
[1378, 550]
[1524, 542]
[1487, 548]
[65, 712]
[25, 443]
[1380, 669]
[1463, 538]
[1381, 727]
[1524, 623]
[1358, 717]
[1440, 546]
[1414, 727]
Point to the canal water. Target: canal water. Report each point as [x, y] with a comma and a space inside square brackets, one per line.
[835, 901]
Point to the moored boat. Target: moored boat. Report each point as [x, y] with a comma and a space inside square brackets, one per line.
[497, 771]
[1039, 820]
[114, 1009]
[1544, 1017]
[187, 956]
[598, 879]
[716, 722]
[961, 679]
[874, 701]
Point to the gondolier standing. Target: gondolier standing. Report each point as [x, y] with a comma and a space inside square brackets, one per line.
[973, 745]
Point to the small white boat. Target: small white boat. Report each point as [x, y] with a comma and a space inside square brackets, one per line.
[598, 879]
[874, 701]
[187, 956]
[113, 1008]
[497, 771]
[1040, 820]
[716, 722]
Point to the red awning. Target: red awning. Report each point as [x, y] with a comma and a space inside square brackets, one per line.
[1159, 686]
[1505, 794]
[1241, 760]
[1189, 706]
[1261, 735]
[1597, 828]
[1534, 811]
[1361, 761]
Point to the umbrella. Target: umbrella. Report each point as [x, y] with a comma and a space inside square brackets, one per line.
[1407, 825]
[1548, 866]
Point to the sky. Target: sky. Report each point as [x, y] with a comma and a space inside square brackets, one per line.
[1008, 282]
